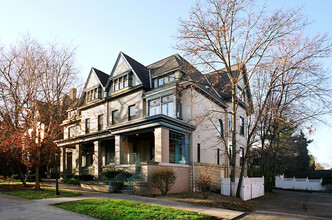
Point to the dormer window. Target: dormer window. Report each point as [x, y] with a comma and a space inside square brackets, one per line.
[92, 94]
[116, 86]
[160, 81]
[122, 82]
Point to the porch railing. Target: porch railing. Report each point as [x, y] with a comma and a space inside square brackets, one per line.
[122, 177]
[136, 178]
[130, 158]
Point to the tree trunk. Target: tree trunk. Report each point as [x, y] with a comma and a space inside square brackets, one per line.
[233, 139]
[238, 191]
[37, 186]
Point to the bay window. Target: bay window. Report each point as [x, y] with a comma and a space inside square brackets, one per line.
[164, 105]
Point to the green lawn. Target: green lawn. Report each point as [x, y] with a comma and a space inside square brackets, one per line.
[124, 209]
[17, 189]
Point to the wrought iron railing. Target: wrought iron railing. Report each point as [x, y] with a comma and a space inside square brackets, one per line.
[133, 180]
[118, 180]
[136, 178]
[130, 158]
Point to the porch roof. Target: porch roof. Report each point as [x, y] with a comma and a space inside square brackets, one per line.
[153, 121]
[159, 120]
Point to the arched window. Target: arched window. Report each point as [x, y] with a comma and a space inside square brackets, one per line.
[220, 128]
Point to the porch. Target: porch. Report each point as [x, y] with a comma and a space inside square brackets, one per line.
[160, 145]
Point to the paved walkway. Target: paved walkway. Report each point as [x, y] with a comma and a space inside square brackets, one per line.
[12, 207]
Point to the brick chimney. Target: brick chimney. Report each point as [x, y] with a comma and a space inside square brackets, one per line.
[72, 93]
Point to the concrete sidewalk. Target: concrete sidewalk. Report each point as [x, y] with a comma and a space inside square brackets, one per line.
[89, 194]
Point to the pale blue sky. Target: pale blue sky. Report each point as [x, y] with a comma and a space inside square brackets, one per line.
[142, 29]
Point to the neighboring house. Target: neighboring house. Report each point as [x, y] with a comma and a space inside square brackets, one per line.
[165, 114]
[39, 126]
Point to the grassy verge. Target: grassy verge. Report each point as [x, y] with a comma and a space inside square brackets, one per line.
[28, 192]
[214, 200]
[124, 209]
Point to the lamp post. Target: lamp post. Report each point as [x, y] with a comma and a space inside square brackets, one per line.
[56, 175]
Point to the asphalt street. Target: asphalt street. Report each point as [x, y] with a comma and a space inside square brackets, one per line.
[284, 204]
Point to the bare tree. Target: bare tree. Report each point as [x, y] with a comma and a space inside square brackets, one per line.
[34, 80]
[264, 47]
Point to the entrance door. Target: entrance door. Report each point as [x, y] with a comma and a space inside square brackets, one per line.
[69, 162]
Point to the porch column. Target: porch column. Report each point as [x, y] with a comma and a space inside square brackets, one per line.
[62, 159]
[77, 156]
[117, 149]
[161, 145]
[97, 159]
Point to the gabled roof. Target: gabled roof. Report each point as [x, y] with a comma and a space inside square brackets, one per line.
[103, 77]
[141, 71]
[221, 82]
[167, 64]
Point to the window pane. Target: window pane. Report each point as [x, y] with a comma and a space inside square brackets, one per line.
[170, 106]
[164, 109]
[166, 79]
[132, 112]
[155, 83]
[125, 81]
[96, 93]
[100, 122]
[152, 110]
[157, 109]
[120, 83]
[161, 81]
[115, 117]
[171, 77]
[87, 125]
[116, 85]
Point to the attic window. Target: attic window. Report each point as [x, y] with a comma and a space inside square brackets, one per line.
[92, 94]
[160, 81]
[122, 82]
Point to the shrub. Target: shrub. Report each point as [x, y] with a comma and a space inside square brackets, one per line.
[71, 181]
[16, 177]
[85, 177]
[204, 182]
[67, 176]
[31, 178]
[111, 174]
[163, 179]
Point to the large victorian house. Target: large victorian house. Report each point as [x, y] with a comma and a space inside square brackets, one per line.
[166, 114]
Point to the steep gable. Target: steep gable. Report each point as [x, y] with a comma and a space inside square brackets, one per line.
[92, 80]
[103, 77]
[96, 78]
[125, 63]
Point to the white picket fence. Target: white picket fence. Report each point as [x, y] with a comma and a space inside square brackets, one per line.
[252, 187]
[299, 183]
